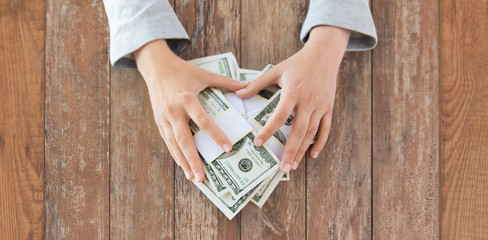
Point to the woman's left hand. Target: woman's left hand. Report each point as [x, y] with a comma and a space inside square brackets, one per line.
[308, 82]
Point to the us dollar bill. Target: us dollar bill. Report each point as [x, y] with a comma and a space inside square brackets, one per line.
[216, 183]
[222, 64]
[245, 166]
[228, 204]
[267, 68]
[212, 99]
[265, 189]
[214, 103]
[286, 177]
[268, 92]
[247, 75]
[264, 114]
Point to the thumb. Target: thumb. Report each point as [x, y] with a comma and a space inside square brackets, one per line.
[220, 81]
[266, 79]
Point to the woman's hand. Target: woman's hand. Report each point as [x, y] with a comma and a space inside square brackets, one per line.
[174, 85]
[308, 82]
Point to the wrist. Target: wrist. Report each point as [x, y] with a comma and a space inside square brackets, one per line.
[324, 35]
[153, 57]
[328, 43]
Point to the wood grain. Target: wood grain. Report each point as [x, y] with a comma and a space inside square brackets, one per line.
[464, 119]
[406, 120]
[142, 170]
[213, 27]
[77, 126]
[270, 31]
[21, 119]
[339, 181]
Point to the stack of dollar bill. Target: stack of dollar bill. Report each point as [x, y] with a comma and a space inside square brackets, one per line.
[247, 173]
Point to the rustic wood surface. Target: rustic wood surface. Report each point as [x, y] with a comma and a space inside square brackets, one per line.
[464, 119]
[21, 119]
[77, 121]
[141, 168]
[407, 158]
[406, 120]
[284, 214]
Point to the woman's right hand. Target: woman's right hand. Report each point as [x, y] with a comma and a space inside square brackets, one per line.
[174, 85]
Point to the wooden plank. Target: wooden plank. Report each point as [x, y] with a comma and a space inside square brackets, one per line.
[270, 34]
[77, 111]
[213, 27]
[464, 119]
[406, 120]
[141, 168]
[339, 181]
[22, 119]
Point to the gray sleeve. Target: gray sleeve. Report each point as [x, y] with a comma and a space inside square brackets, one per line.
[134, 23]
[349, 14]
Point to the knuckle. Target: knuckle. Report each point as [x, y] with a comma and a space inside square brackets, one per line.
[203, 120]
[185, 98]
[327, 107]
[254, 83]
[311, 131]
[290, 154]
[161, 115]
[171, 110]
[162, 134]
[183, 141]
[288, 96]
[171, 142]
[300, 130]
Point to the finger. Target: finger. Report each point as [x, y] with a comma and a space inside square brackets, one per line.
[298, 130]
[278, 118]
[307, 140]
[266, 79]
[175, 149]
[220, 81]
[207, 124]
[163, 135]
[322, 137]
[187, 145]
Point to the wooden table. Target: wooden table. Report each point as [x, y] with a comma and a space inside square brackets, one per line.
[81, 157]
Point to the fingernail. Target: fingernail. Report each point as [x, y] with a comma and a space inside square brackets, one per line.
[286, 168]
[241, 91]
[258, 142]
[188, 175]
[227, 148]
[315, 154]
[295, 165]
[198, 176]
